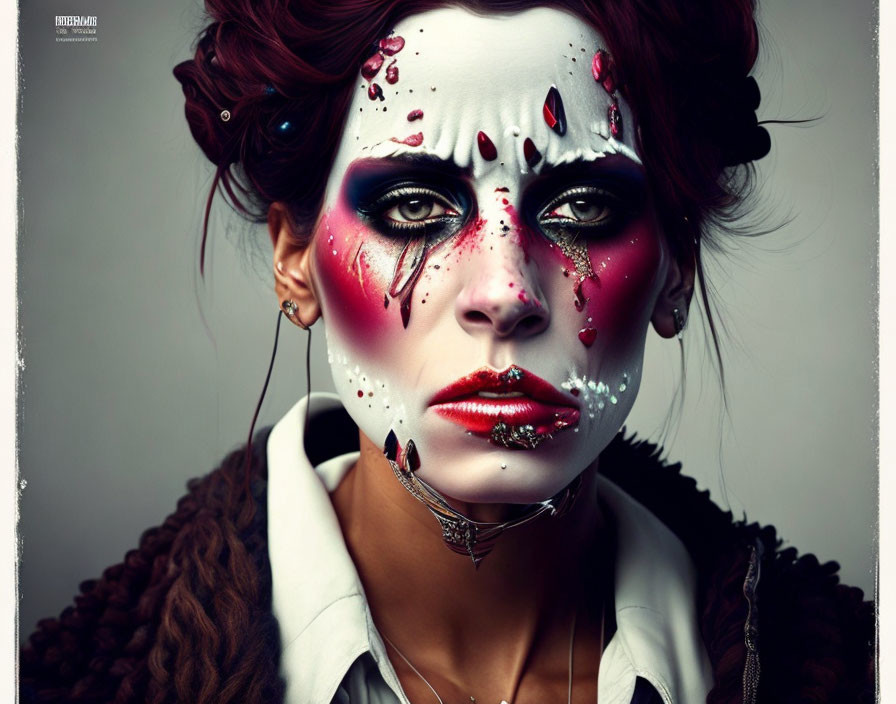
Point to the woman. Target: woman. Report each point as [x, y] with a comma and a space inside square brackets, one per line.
[488, 203]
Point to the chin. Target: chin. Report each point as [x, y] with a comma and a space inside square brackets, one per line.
[501, 476]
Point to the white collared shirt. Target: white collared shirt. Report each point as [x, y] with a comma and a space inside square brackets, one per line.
[333, 653]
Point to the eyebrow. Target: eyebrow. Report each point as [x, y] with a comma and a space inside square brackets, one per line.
[416, 161]
[617, 163]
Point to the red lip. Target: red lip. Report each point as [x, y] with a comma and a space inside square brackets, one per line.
[534, 402]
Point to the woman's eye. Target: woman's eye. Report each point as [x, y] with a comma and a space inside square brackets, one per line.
[414, 210]
[589, 209]
[581, 210]
[417, 209]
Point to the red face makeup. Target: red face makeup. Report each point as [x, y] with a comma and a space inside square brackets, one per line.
[492, 313]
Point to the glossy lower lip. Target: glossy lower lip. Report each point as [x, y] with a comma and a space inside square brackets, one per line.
[529, 400]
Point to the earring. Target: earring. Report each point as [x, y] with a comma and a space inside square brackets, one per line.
[291, 310]
[678, 322]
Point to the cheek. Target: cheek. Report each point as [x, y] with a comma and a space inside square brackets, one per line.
[627, 271]
[354, 267]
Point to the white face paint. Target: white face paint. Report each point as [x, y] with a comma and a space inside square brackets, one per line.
[486, 261]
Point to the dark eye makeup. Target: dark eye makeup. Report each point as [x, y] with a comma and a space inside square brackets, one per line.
[406, 200]
[583, 199]
[586, 200]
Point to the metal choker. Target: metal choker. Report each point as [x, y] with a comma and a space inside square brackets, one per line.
[461, 534]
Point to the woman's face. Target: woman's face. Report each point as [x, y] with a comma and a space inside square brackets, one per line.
[487, 261]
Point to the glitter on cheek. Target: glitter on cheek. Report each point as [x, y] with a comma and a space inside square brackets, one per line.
[358, 387]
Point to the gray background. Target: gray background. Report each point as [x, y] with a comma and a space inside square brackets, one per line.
[138, 376]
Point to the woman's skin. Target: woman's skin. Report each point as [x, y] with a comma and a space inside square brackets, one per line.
[446, 248]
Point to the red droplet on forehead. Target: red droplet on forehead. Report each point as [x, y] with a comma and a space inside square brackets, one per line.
[392, 73]
[372, 66]
[615, 118]
[414, 140]
[531, 153]
[553, 112]
[486, 146]
[374, 91]
[415, 115]
[599, 65]
[391, 45]
[609, 83]
[587, 336]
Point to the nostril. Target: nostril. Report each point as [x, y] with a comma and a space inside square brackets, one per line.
[475, 316]
[531, 322]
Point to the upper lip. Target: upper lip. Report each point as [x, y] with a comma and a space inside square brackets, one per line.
[503, 381]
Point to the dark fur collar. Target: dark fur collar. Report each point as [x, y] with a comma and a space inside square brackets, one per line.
[809, 638]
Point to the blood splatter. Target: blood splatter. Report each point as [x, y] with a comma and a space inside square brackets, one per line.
[486, 147]
[604, 71]
[580, 296]
[372, 66]
[600, 65]
[360, 393]
[392, 73]
[609, 83]
[407, 271]
[531, 153]
[415, 115]
[391, 45]
[414, 140]
[587, 336]
[554, 114]
[615, 118]
[502, 189]
[375, 91]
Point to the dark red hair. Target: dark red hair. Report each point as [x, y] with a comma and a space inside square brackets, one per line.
[683, 64]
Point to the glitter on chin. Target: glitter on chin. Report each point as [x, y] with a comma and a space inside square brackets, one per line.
[595, 394]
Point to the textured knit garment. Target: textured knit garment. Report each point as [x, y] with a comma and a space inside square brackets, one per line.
[326, 624]
[187, 617]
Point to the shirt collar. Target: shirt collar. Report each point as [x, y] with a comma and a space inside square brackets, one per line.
[655, 590]
[324, 619]
[317, 595]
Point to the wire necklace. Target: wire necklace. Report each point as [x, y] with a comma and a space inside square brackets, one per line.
[572, 636]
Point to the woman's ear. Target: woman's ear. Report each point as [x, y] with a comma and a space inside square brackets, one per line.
[670, 314]
[292, 269]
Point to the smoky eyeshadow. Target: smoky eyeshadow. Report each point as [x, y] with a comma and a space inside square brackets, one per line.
[370, 185]
[619, 185]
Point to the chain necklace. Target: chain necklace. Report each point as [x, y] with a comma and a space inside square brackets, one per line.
[572, 636]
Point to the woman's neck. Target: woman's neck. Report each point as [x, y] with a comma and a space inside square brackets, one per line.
[423, 596]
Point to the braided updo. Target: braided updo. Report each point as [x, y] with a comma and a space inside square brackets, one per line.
[269, 87]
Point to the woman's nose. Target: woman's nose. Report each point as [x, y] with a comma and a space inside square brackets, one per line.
[502, 295]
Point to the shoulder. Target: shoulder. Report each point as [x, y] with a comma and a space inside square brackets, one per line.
[778, 626]
[192, 599]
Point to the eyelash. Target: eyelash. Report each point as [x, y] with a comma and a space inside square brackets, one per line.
[376, 211]
[614, 212]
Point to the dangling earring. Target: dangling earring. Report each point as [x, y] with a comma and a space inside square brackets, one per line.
[678, 322]
[289, 309]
